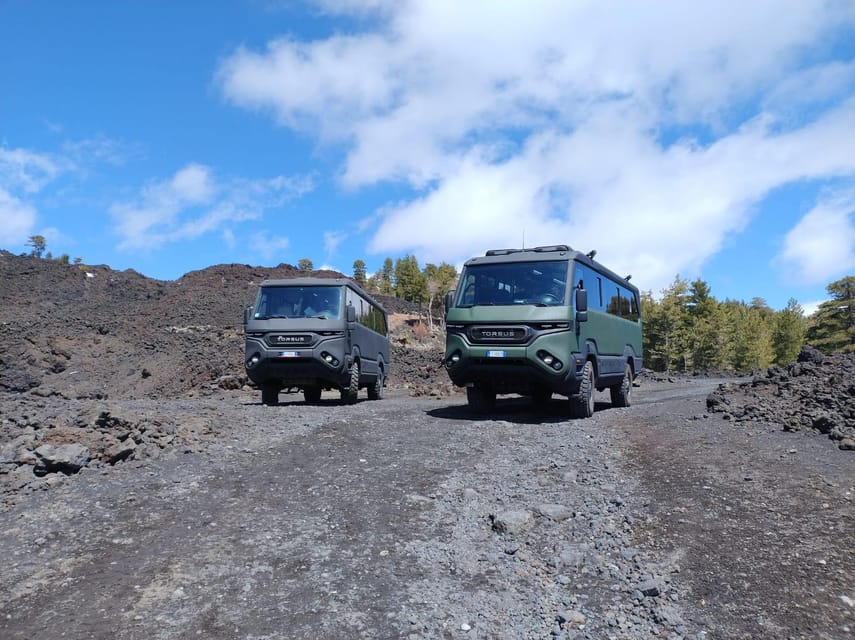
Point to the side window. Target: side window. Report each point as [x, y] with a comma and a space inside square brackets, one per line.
[580, 276]
[467, 293]
[605, 294]
[381, 323]
[584, 277]
[364, 313]
[367, 314]
[624, 303]
[613, 305]
[361, 311]
[629, 303]
[353, 301]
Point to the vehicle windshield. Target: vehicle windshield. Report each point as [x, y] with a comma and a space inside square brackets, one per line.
[541, 284]
[298, 302]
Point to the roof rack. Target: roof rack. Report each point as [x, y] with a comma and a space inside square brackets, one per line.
[552, 247]
[502, 252]
[544, 249]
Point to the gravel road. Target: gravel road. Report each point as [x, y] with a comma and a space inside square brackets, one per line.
[412, 518]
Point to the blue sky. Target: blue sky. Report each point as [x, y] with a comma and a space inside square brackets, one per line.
[705, 139]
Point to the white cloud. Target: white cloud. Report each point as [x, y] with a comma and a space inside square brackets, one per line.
[229, 238]
[98, 149]
[17, 220]
[192, 203]
[332, 240]
[305, 84]
[269, 247]
[810, 308]
[647, 210]
[821, 247]
[560, 122]
[154, 218]
[27, 178]
[27, 171]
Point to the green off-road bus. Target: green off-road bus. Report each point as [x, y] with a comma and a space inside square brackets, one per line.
[312, 334]
[542, 321]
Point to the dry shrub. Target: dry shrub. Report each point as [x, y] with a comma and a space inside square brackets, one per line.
[420, 330]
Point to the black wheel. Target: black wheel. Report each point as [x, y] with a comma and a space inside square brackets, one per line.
[481, 399]
[270, 395]
[312, 394]
[351, 392]
[540, 396]
[622, 393]
[375, 391]
[582, 402]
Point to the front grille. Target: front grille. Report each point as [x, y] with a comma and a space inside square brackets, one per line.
[278, 340]
[498, 334]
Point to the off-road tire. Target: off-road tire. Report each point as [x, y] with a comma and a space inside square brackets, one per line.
[270, 395]
[312, 394]
[375, 391]
[622, 393]
[582, 402]
[481, 399]
[350, 393]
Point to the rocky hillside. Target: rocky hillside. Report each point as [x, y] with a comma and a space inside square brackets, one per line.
[89, 332]
[816, 392]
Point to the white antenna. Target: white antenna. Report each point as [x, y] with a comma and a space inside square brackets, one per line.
[523, 245]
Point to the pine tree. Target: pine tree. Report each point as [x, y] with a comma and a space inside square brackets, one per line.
[359, 272]
[38, 243]
[704, 338]
[751, 337]
[788, 335]
[668, 328]
[410, 283]
[832, 327]
[385, 277]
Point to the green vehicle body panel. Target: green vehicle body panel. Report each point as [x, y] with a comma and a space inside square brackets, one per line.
[480, 353]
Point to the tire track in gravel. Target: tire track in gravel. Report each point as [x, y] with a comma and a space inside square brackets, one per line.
[405, 518]
[764, 520]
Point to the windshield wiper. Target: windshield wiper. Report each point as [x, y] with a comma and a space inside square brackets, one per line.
[275, 315]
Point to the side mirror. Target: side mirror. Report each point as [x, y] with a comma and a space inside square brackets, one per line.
[581, 305]
[351, 313]
[448, 300]
[247, 314]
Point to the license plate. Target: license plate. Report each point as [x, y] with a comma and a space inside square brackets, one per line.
[497, 354]
[289, 354]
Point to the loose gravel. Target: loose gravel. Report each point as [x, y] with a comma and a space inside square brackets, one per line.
[413, 518]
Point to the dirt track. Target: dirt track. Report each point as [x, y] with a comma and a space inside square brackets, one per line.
[408, 517]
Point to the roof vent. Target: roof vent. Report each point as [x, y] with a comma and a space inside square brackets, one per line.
[552, 247]
[502, 252]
